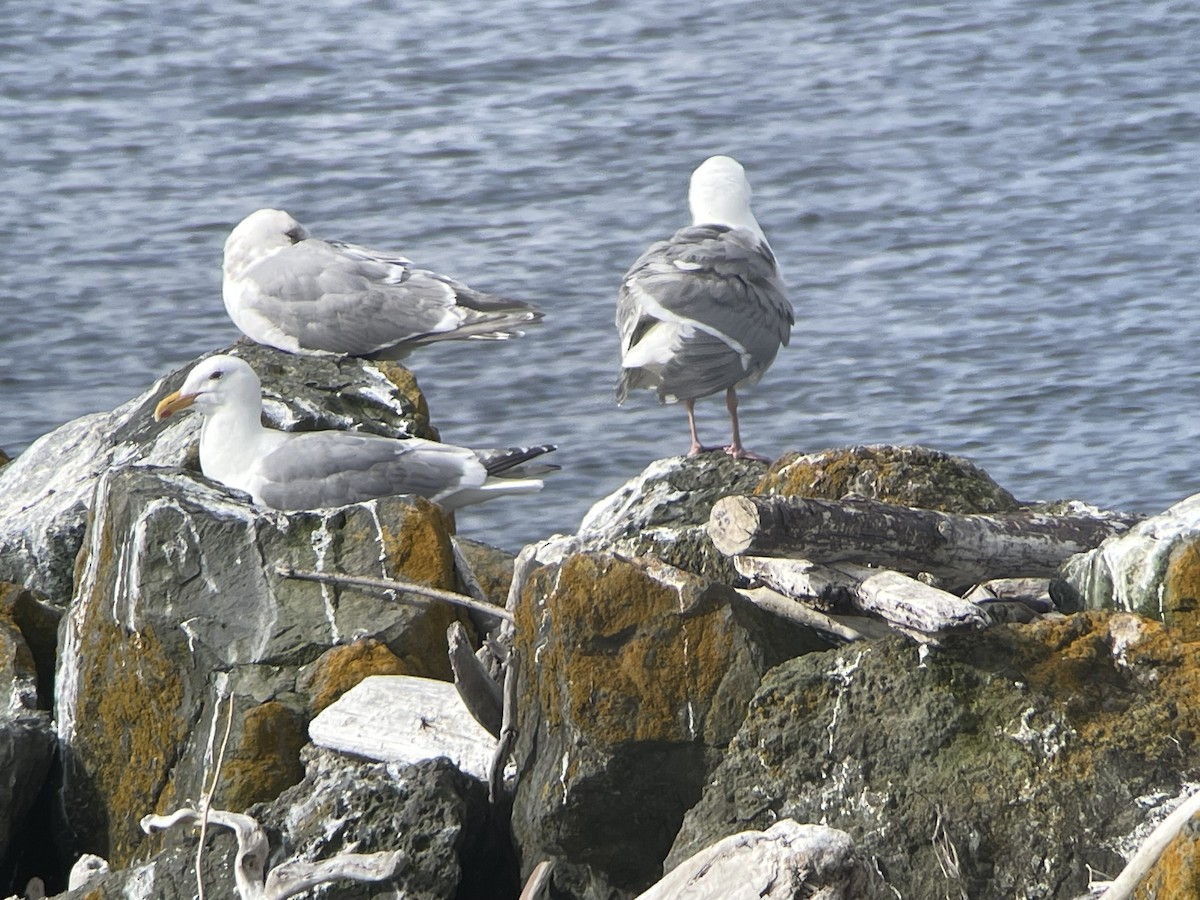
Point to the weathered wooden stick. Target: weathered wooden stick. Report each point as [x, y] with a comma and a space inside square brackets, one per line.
[958, 549]
[481, 695]
[538, 885]
[785, 607]
[508, 727]
[386, 584]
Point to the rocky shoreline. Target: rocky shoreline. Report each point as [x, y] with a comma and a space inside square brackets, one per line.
[668, 696]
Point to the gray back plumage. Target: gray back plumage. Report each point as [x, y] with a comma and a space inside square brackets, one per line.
[723, 285]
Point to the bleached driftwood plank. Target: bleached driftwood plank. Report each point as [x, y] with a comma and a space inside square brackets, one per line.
[398, 718]
[909, 603]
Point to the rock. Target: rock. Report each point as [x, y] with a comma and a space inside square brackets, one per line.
[436, 816]
[26, 752]
[663, 512]
[32, 624]
[18, 672]
[634, 677]
[1002, 765]
[178, 603]
[1153, 569]
[785, 862]
[45, 493]
[909, 476]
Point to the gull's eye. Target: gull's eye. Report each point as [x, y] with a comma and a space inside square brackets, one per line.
[215, 375]
[295, 235]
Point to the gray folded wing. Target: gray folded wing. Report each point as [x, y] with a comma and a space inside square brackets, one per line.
[346, 299]
[723, 287]
[321, 469]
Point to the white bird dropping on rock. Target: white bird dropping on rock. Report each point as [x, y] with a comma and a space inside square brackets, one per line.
[292, 291]
[706, 310]
[320, 469]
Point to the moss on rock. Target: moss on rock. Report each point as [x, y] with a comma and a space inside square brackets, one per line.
[910, 476]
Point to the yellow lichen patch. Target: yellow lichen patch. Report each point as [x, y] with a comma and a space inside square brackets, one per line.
[418, 548]
[341, 668]
[267, 758]
[634, 666]
[130, 688]
[1181, 591]
[1177, 872]
[1095, 665]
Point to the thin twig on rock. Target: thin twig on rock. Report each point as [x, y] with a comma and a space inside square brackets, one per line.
[387, 584]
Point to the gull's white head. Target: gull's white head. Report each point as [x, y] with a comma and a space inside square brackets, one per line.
[720, 194]
[260, 234]
[220, 382]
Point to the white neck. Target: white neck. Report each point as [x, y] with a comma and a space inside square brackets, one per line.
[230, 439]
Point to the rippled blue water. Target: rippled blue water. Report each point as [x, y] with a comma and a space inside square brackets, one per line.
[988, 213]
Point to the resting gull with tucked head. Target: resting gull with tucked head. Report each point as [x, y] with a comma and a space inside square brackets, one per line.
[292, 291]
[706, 310]
[319, 469]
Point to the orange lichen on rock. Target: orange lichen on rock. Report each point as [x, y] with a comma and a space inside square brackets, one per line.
[1177, 872]
[340, 668]
[130, 684]
[266, 759]
[639, 659]
[1181, 591]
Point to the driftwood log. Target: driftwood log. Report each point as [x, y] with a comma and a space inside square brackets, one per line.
[958, 550]
[900, 600]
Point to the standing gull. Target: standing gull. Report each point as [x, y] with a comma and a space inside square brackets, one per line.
[319, 469]
[289, 290]
[706, 310]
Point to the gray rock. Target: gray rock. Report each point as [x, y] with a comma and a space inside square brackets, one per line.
[662, 512]
[1152, 569]
[178, 602]
[634, 677]
[46, 492]
[26, 752]
[1002, 765]
[436, 816]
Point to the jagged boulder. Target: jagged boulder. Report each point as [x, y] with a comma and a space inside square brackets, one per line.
[1003, 764]
[178, 603]
[1153, 569]
[635, 676]
[662, 512]
[46, 492]
[909, 476]
[436, 816]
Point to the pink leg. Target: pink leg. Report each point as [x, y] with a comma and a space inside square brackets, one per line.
[735, 448]
[696, 448]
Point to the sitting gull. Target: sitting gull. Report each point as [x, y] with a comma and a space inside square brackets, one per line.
[289, 290]
[319, 469]
[706, 310]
